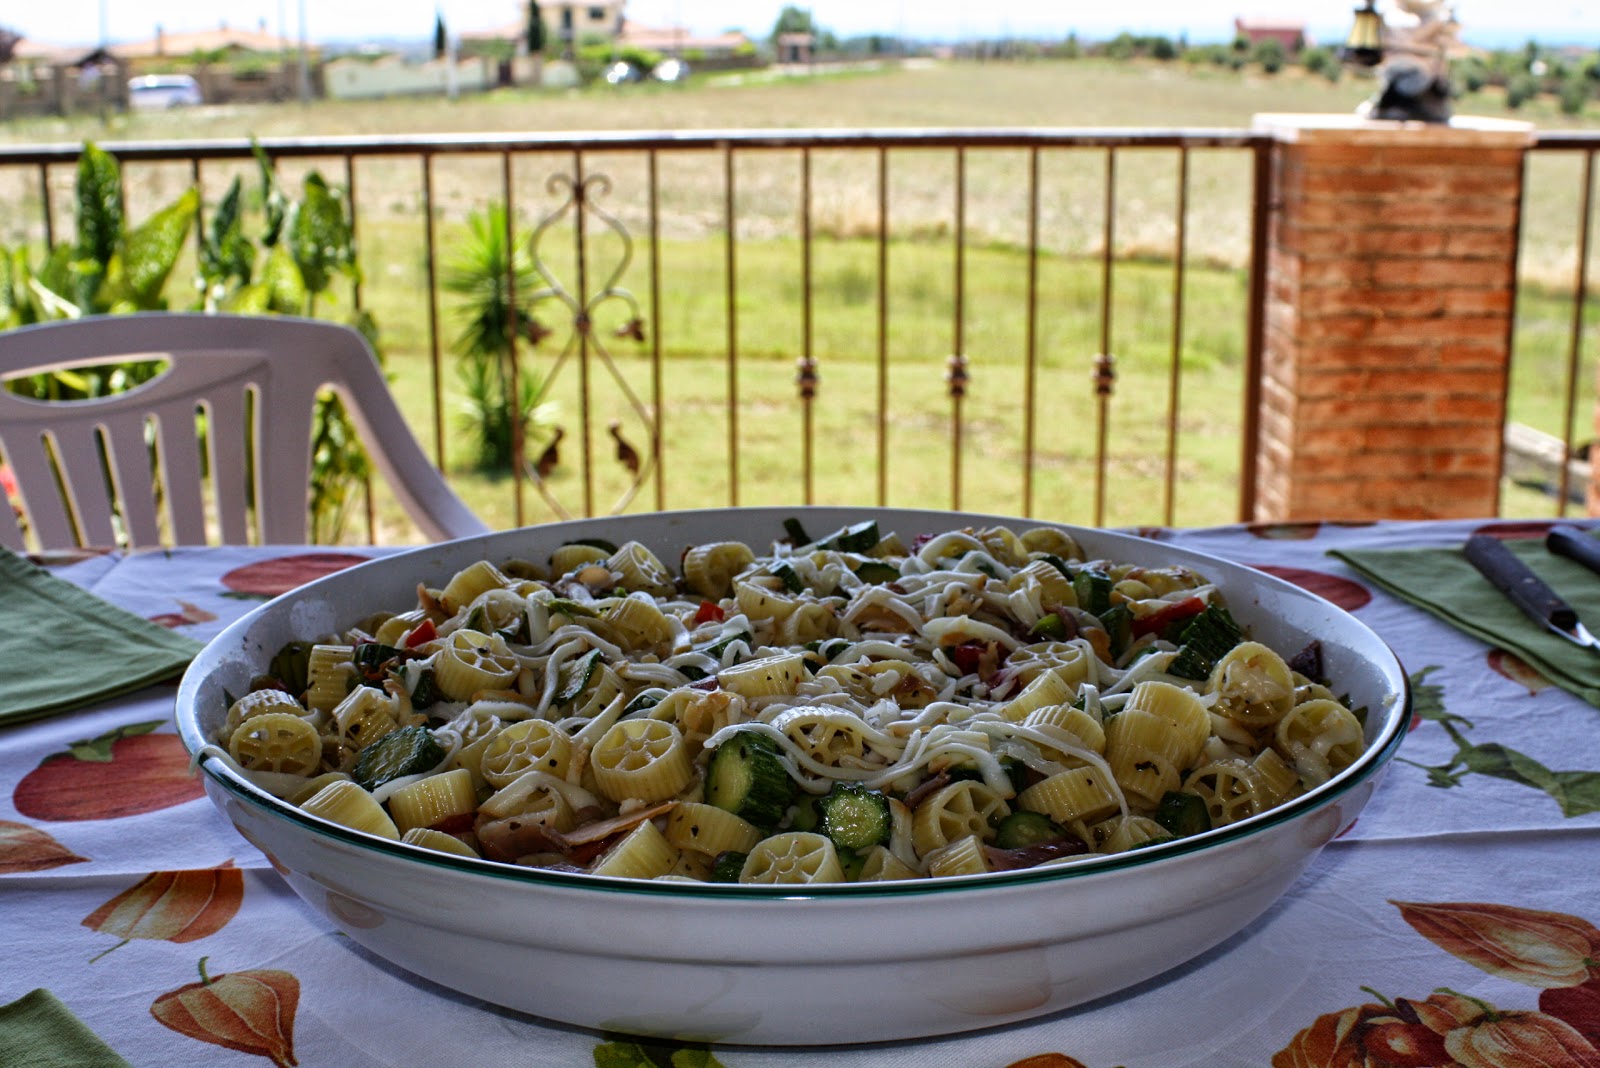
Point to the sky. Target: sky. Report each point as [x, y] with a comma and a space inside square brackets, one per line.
[1494, 22]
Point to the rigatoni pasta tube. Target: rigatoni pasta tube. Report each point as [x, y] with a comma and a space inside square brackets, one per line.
[710, 830]
[433, 800]
[347, 804]
[643, 854]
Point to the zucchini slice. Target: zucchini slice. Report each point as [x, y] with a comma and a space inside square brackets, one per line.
[855, 817]
[746, 777]
[1206, 639]
[1024, 828]
[1183, 814]
[407, 751]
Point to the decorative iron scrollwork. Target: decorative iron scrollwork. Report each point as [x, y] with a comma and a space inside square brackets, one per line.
[580, 195]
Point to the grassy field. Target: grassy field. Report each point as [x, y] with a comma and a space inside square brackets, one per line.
[695, 380]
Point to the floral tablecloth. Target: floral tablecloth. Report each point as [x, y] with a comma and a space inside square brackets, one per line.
[1454, 924]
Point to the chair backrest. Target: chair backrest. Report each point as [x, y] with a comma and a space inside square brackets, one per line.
[103, 471]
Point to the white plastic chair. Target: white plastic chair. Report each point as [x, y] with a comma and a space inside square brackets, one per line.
[84, 471]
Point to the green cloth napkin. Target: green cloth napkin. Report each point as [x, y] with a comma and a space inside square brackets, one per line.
[39, 1031]
[1443, 582]
[61, 647]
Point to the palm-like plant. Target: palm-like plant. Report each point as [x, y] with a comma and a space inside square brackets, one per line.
[479, 275]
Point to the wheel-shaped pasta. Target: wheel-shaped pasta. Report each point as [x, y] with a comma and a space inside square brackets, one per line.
[1231, 790]
[793, 857]
[1052, 541]
[466, 585]
[829, 736]
[809, 622]
[428, 802]
[1047, 688]
[644, 853]
[964, 856]
[277, 741]
[639, 624]
[470, 661]
[438, 841]
[709, 830]
[1320, 738]
[565, 559]
[1122, 833]
[709, 569]
[534, 796]
[1070, 660]
[761, 605]
[260, 703]
[641, 570]
[962, 808]
[767, 676]
[528, 745]
[347, 804]
[1253, 685]
[641, 758]
[496, 610]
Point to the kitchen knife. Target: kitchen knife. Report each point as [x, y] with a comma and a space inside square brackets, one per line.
[1525, 589]
[1574, 544]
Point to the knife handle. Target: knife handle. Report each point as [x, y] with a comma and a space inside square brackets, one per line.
[1517, 581]
[1574, 544]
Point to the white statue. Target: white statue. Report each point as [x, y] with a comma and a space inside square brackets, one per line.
[1415, 78]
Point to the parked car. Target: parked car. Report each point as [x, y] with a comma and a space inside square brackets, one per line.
[154, 92]
[670, 70]
[623, 73]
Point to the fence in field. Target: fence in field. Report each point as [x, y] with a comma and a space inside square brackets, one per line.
[1062, 323]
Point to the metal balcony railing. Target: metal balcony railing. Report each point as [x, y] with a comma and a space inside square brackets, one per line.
[1101, 292]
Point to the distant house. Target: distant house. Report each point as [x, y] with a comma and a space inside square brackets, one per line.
[568, 23]
[795, 47]
[1290, 33]
[678, 41]
[223, 39]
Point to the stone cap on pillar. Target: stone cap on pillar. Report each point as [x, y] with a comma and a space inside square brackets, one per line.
[1462, 130]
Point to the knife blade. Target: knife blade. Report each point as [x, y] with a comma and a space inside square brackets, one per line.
[1526, 590]
[1571, 542]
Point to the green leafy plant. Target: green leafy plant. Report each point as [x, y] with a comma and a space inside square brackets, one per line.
[478, 274]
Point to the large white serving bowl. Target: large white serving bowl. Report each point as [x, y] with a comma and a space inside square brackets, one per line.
[785, 964]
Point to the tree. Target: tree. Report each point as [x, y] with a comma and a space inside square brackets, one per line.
[793, 19]
[535, 29]
[441, 39]
[8, 43]
[1269, 52]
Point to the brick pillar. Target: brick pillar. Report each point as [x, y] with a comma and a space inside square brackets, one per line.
[1390, 277]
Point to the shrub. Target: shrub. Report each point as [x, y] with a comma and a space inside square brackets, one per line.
[1574, 95]
[1270, 54]
[1520, 90]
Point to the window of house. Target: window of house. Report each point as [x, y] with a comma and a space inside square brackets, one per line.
[597, 14]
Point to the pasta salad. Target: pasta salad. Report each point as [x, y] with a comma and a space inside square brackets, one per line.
[852, 707]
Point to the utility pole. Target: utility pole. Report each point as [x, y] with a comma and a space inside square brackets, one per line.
[305, 59]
